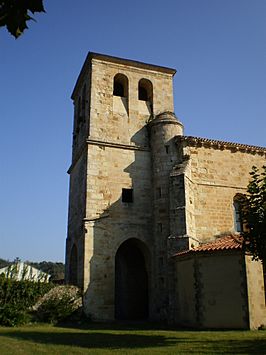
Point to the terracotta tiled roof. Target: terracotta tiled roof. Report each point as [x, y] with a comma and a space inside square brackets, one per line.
[213, 143]
[223, 243]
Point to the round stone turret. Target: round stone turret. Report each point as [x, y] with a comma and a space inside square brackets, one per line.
[167, 125]
[163, 129]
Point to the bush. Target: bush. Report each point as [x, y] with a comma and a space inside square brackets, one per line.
[11, 316]
[59, 304]
[56, 309]
[16, 297]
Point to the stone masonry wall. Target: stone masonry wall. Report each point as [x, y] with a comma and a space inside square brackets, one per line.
[108, 124]
[76, 213]
[118, 157]
[163, 129]
[256, 293]
[217, 176]
[211, 291]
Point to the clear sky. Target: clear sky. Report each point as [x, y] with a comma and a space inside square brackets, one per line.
[217, 46]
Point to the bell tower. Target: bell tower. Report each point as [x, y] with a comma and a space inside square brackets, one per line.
[111, 244]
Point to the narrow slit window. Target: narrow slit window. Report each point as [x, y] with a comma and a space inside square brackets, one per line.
[159, 192]
[160, 227]
[127, 195]
[237, 217]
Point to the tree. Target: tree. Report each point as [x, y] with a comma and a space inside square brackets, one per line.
[14, 14]
[254, 215]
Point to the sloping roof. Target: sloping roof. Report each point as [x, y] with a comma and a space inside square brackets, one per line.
[214, 143]
[230, 242]
[22, 271]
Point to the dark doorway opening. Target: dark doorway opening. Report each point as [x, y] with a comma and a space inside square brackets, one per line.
[131, 282]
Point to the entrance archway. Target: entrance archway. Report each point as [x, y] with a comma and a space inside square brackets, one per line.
[131, 282]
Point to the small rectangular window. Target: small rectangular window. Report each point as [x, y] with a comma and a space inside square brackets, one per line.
[160, 227]
[158, 192]
[237, 217]
[161, 281]
[127, 195]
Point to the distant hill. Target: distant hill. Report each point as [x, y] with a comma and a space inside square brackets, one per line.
[56, 270]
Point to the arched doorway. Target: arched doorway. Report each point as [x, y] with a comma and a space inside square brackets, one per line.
[131, 282]
[73, 266]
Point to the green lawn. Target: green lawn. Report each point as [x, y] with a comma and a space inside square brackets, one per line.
[121, 339]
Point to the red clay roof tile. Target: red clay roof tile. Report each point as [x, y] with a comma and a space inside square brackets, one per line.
[230, 242]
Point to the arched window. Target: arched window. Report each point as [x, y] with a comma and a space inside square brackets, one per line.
[145, 90]
[238, 223]
[120, 87]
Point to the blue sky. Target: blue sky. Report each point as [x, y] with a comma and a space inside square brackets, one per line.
[217, 46]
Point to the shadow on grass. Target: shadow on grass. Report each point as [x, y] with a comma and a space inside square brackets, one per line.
[178, 342]
[90, 340]
[119, 325]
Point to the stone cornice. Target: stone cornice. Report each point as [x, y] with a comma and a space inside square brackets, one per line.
[131, 63]
[117, 145]
[222, 145]
[104, 144]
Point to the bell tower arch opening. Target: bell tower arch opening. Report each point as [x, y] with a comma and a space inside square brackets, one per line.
[131, 281]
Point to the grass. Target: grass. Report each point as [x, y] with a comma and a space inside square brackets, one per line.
[125, 339]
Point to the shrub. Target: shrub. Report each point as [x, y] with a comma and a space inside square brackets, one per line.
[58, 304]
[11, 316]
[16, 297]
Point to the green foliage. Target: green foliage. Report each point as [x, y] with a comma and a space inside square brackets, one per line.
[254, 215]
[11, 315]
[56, 309]
[23, 293]
[16, 297]
[14, 14]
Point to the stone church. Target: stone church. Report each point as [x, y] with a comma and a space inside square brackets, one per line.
[153, 227]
